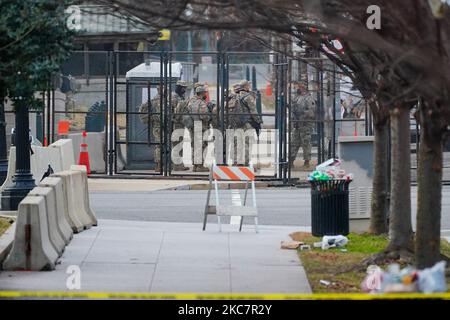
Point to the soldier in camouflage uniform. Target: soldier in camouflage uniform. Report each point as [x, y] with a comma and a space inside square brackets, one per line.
[249, 99]
[178, 105]
[253, 121]
[155, 125]
[177, 97]
[230, 105]
[303, 116]
[198, 108]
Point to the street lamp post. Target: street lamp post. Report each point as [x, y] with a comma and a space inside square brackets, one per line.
[23, 179]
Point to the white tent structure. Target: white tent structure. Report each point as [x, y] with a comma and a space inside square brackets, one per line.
[149, 70]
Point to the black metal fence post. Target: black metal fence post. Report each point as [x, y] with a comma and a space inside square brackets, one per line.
[3, 144]
[23, 179]
[112, 116]
[334, 112]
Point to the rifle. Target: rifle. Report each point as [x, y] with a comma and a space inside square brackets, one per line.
[210, 105]
[256, 125]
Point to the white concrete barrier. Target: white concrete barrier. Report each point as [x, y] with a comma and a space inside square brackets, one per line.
[85, 187]
[62, 213]
[55, 159]
[74, 191]
[39, 162]
[32, 248]
[96, 149]
[50, 207]
[79, 195]
[11, 169]
[67, 156]
[72, 216]
[41, 158]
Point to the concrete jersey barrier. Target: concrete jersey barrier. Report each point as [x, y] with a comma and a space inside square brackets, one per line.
[51, 212]
[59, 155]
[96, 148]
[85, 186]
[32, 248]
[67, 155]
[52, 221]
[61, 206]
[73, 189]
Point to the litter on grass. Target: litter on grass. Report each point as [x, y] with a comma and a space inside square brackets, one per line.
[408, 279]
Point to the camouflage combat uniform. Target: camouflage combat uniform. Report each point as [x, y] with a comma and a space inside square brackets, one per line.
[175, 102]
[249, 100]
[155, 125]
[303, 114]
[198, 109]
[246, 109]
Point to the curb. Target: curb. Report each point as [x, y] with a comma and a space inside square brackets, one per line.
[222, 186]
[6, 241]
[236, 186]
[8, 214]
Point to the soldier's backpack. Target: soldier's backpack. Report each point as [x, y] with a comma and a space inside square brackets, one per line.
[183, 115]
[303, 108]
[238, 111]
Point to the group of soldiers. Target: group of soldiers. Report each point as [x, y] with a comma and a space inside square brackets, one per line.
[242, 114]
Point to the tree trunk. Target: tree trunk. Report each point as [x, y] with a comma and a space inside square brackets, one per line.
[378, 218]
[400, 228]
[429, 180]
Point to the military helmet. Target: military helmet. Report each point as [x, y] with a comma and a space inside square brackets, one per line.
[200, 88]
[182, 83]
[244, 83]
[237, 86]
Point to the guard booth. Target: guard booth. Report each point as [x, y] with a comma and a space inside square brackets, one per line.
[143, 82]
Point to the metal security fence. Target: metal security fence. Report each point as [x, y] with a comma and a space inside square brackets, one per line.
[133, 143]
[101, 92]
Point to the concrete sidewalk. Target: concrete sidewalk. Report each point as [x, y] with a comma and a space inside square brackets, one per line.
[147, 185]
[135, 256]
[120, 185]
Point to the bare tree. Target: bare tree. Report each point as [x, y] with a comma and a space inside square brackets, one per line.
[407, 60]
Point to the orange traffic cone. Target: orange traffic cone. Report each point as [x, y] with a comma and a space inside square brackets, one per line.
[84, 154]
[268, 90]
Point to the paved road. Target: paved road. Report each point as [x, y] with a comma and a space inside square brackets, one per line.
[278, 206]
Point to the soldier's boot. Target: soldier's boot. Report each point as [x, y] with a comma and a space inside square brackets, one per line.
[306, 165]
[292, 164]
[200, 168]
[203, 169]
[179, 167]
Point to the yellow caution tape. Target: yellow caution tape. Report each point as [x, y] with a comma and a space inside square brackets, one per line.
[219, 296]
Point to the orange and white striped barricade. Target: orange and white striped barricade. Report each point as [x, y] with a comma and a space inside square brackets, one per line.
[237, 174]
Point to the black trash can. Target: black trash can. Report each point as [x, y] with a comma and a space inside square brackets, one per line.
[329, 207]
